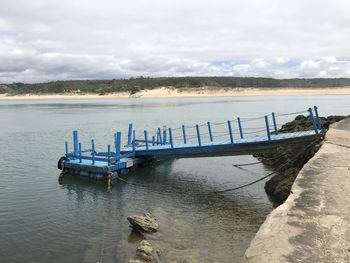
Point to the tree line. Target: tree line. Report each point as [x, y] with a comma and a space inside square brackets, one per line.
[133, 85]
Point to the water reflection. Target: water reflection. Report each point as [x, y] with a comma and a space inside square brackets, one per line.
[191, 214]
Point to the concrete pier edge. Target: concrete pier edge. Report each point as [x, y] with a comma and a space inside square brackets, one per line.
[313, 224]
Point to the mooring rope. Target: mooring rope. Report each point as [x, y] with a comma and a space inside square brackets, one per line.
[265, 158]
[103, 245]
[291, 113]
[125, 181]
[341, 145]
[245, 164]
[270, 174]
[245, 185]
[308, 147]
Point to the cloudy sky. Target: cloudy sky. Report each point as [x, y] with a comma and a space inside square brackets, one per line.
[42, 40]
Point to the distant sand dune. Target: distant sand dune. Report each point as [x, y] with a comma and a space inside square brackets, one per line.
[165, 92]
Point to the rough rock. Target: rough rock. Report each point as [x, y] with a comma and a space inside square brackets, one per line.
[144, 223]
[313, 224]
[146, 253]
[278, 187]
[303, 123]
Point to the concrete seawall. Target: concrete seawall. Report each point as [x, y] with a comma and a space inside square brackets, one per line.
[313, 225]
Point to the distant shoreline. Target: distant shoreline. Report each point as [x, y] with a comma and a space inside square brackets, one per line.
[198, 92]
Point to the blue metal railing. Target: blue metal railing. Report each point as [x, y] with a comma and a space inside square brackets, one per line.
[165, 137]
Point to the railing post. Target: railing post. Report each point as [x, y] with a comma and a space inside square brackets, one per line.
[267, 128]
[75, 143]
[80, 153]
[66, 148]
[274, 122]
[230, 131]
[240, 127]
[153, 140]
[93, 151]
[313, 121]
[109, 154]
[159, 137]
[171, 138]
[318, 121]
[146, 139]
[129, 134]
[133, 141]
[209, 130]
[164, 136]
[198, 135]
[184, 134]
[117, 143]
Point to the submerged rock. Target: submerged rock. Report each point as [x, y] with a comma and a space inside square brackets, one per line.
[144, 223]
[145, 253]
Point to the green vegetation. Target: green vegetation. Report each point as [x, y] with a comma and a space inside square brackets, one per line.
[134, 85]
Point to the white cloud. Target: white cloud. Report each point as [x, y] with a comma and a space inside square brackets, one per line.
[282, 60]
[47, 40]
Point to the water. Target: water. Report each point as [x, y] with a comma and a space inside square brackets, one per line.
[78, 221]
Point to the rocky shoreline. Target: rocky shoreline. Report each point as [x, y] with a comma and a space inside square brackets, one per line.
[312, 224]
[288, 159]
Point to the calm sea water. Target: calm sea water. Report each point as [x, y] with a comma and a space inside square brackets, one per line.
[78, 221]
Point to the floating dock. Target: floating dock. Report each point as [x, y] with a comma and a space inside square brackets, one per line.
[233, 137]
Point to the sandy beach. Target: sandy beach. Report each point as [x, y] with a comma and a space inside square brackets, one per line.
[200, 92]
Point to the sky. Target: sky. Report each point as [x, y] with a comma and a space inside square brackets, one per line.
[44, 40]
